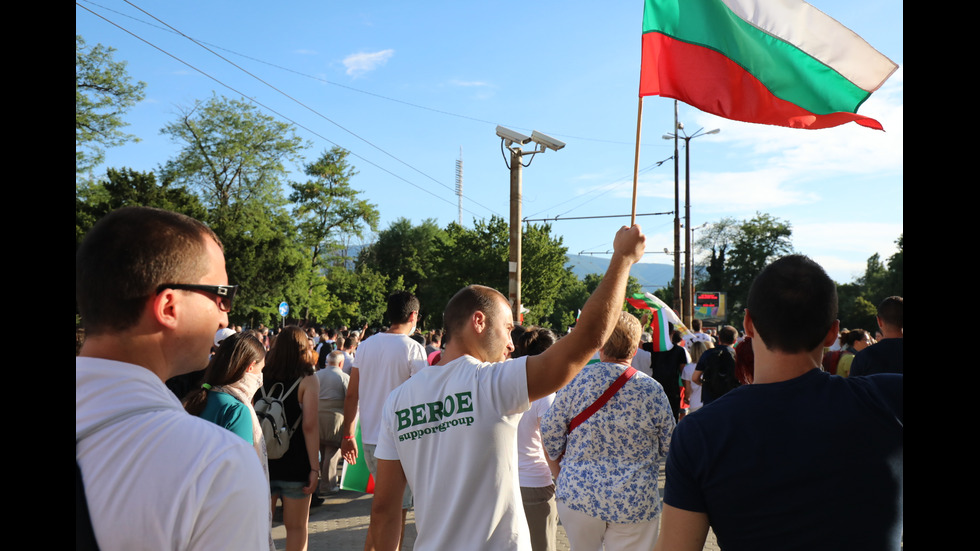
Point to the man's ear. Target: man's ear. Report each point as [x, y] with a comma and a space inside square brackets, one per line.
[832, 334]
[479, 321]
[165, 306]
[748, 326]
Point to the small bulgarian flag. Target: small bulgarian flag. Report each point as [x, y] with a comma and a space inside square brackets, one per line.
[779, 62]
[357, 477]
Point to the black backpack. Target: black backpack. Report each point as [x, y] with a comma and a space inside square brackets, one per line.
[717, 368]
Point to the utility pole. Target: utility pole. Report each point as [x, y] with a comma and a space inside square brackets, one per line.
[514, 141]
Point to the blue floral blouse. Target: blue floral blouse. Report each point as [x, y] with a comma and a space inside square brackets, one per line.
[611, 462]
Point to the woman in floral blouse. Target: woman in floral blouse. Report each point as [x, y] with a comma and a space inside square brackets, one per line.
[607, 487]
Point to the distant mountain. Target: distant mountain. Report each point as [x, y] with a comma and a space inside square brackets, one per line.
[651, 276]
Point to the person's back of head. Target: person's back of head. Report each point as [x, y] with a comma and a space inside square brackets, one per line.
[353, 338]
[698, 348]
[696, 325]
[533, 341]
[127, 255]
[290, 357]
[622, 343]
[890, 311]
[727, 335]
[335, 359]
[401, 304]
[793, 304]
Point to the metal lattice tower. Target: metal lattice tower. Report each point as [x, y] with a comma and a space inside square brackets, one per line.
[459, 184]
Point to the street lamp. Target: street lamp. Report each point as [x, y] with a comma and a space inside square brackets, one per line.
[688, 302]
[514, 141]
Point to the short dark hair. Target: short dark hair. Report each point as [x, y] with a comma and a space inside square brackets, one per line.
[401, 304]
[127, 255]
[696, 324]
[728, 334]
[890, 311]
[793, 304]
[533, 341]
[466, 302]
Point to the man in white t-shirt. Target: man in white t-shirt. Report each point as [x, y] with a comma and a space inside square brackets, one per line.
[152, 291]
[383, 362]
[450, 431]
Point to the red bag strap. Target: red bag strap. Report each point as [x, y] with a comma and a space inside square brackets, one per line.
[601, 401]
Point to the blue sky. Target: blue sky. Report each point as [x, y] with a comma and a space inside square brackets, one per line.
[406, 85]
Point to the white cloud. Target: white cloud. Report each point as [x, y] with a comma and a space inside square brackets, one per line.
[469, 83]
[360, 63]
[848, 148]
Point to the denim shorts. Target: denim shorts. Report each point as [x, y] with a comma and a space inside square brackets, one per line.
[293, 490]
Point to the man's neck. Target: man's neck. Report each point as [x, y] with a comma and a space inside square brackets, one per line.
[774, 366]
[130, 350]
[401, 329]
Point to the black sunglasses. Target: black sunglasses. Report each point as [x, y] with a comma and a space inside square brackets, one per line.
[224, 293]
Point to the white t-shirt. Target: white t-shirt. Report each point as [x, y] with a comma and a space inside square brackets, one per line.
[454, 429]
[532, 462]
[383, 361]
[695, 398]
[642, 362]
[163, 479]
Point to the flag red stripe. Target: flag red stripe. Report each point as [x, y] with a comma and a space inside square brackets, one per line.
[713, 83]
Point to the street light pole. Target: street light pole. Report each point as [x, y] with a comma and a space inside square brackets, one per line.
[687, 313]
[677, 218]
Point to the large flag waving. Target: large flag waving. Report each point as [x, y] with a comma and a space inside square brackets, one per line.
[779, 62]
[661, 314]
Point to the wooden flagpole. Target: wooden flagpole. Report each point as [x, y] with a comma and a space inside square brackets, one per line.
[636, 159]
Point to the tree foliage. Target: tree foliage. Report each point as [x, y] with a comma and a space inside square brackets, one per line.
[858, 301]
[329, 213]
[434, 263]
[736, 251]
[232, 154]
[103, 93]
[127, 187]
[234, 157]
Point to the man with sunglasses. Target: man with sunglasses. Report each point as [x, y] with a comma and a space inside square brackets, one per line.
[152, 290]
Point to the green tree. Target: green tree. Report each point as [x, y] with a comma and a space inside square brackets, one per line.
[858, 301]
[715, 243]
[361, 294]
[234, 157]
[127, 187]
[409, 254]
[232, 154]
[329, 213]
[103, 93]
[435, 263]
[735, 252]
[758, 242]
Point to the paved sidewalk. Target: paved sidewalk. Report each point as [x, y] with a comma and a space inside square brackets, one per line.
[340, 524]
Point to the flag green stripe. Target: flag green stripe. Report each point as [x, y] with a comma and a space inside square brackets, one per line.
[787, 72]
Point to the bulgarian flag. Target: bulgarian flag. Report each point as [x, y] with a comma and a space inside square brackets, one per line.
[779, 62]
[658, 321]
[357, 477]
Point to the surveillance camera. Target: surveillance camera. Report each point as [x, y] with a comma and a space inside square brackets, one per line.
[546, 141]
[510, 135]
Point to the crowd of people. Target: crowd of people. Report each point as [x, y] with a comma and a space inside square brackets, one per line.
[492, 432]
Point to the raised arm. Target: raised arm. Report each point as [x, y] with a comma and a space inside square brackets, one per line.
[558, 365]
